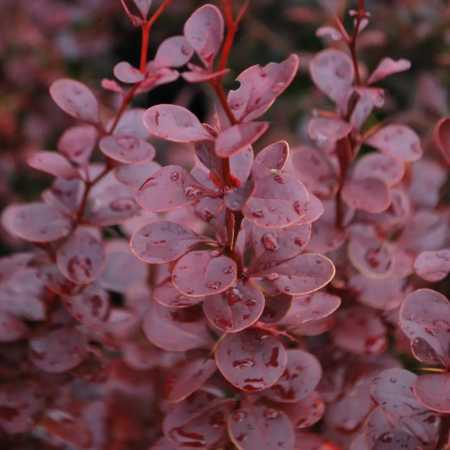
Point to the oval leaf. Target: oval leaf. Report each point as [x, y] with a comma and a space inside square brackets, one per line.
[370, 194]
[271, 159]
[127, 149]
[433, 266]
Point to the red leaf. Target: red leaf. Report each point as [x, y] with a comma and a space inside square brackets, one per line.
[270, 159]
[173, 52]
[433, 266]
[433, 391]
[305, 413]
[54, 164]
[77, 143]
[442, 138]
[75, 99]
[11, 328]
[377, 165]
[370, 194]
[325, 130]
[168, 295]
[251, 360]
[126, 73]
[388, 67]
[127, 149]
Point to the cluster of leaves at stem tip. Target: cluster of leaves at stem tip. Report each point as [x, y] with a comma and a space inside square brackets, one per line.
[266, 294]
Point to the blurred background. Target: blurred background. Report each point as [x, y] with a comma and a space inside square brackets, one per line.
[42, 40]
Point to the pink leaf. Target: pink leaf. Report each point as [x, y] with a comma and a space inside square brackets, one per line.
[299, 380]
[305, 414]
[279, 201]
[127, 149]
[370, 194]
[330, 32]
[204, 32]
[54, 164]
[270, 159]
[170, 188]
[297, 276]
[204, 273]
[135, 175]
[173, 52]
[388, 67]
[131, 123]
[235, 309]
[168, 295]
[75, 99]
[238, 137]
[126, 73]
[11, 328]
[433, 266]
[377, 165]
[175, 123]
[332, 72]
[433, 391]
[260, 87]
[325, 130]
[251, 360]
[397, 141]
[442, 138]
[59, 350]
[260, 427]
[77, 143]
[186, 377]
[164, 241]
[199, 75]
[37, 222]
[236, 199]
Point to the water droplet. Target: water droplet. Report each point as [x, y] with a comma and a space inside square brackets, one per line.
[342, 71]
[174, 176]
[271, 413]
[122, 204]
[258, 214]
[273, 276]
[278, 178]
[243, 363]
[441, 323]
[214, 253]
[79, 267]
[192, 191]
[239, 416]
[270, 242]
[233, 296]
[228, 270]
[215, 285]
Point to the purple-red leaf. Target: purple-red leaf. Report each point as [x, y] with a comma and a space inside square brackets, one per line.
[126, 73]
[442, 138]
[369, 194]
[433, 391]
[204, 273]
[377, 165]
[164, 241]
[127, 149]
[204, 32]
[11, 328]
[238, 137]
[271, 159]
[299, 380]
[398, 142]
[175, 123]
[332, 72]
[173, 52]
[433, 266]
[235, 309]
[82, 257]
[77, 143]
[168, 295]
[75, 99]
[135, 175]
[279, 201]
[251, 360]
[186, 377]
[260, 87]
[54, 164]
[387, 67]
[59, 350]
[305, 413]
[237, 198]
[325, 130]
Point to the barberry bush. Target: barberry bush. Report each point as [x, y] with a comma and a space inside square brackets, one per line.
[191, 278]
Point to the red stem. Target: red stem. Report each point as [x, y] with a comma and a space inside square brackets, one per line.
[352, 43]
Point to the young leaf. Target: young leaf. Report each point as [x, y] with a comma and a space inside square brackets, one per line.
[75, 99]
[126, 73]
[203, 273]
[387, 67]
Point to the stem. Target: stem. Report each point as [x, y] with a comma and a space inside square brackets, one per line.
[352, 43]
[144, 48]
[218, 88]
[444, 430]
[158, 12]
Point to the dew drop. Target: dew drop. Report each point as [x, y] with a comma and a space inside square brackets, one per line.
[214, 285]
[79, 267]
[243, 363]
[258, 214]
[271, 413]
[270, 242]
[273, 276]
[233, 296]
[239, 416]
[174, 176]
[228, 270]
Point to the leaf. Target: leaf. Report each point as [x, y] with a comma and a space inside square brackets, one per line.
[21, 404]
[168, 295]
[237, 137]
[433, 266]
[371, 257]
[91, 307]
[199, 421]
[81, 258]
[135, 175]
[333, 73]
[260, 427]
[11, 328]
[67, 428]
[393, 440]
[234, 309]
[278, 202]
[370, 194]
[297, 276]
[175, 330]
[270, 159]
[204, 31]
[397, 141]
[306, 412]
[260, 87]
[388, 67]
[299, 380]
[75, 99]
[326, 130]
[271, 247]
[59, 350]
[163, 241]
[199, 75]
[330, 32]
[64, 194]
[392, 390]
[359, 330]
[236, 199]
[377, 165]
[203, 273]
[276, 308]
[12, 265]
[170, 188]
[442, 138]
[127, 149]
[251, 360]
[54, 164]
[126, 73]
[433, 391]
[144, 7]
[175, 123]
[77, 143]
[37, 222]
[131, 123]
[173, 52]
[186, 377]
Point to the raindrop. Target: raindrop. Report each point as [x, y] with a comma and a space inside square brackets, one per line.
[243, 363]
[215, 285]
[271, 413]
[228, 270]
[270, 242]
[174, 176]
